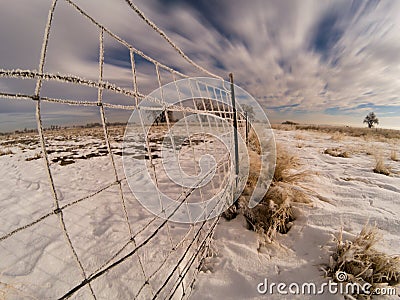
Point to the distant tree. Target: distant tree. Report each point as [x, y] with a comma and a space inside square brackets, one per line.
[249, 110]
[203, 104]
[371, 120]
[161, 117]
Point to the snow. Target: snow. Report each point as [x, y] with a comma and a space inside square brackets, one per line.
[37, 262]
[350, 196]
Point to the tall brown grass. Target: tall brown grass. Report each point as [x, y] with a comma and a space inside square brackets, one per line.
[362, 262]
[285, 164]
[6, 152]
[336, 152]
[380, 166]
[299, 136]
[274, 213]
[393, 155]
[337, 136]
[36, 156]
[253, 142]
[368, 133]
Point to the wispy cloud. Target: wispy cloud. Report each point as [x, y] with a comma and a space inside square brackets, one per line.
[321, 57]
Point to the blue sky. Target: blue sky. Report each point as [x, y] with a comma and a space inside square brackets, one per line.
[311, 61]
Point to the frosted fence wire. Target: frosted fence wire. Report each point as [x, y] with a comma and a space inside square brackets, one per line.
[174, 274]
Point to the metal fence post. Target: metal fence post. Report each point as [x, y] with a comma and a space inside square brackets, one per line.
[235, 128]
[247, 127]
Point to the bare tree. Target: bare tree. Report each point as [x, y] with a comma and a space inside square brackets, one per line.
[371, 120]
[206, 106]
[249, 110]
[161, 117]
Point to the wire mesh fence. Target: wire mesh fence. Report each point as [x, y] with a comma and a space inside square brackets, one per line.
[95, 239]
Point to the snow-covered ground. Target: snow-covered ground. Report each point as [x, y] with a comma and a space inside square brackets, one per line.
[36, 262]
[351, 194]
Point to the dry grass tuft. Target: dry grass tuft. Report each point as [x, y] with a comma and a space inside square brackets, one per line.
[380, 166]
[6, 152]
[336, 152]
[274, 213]
[285, 164]
[299, 136]
[379, 134]
[337, 136]
[269, 218]
[36, 156]
[362, 263]
[253, 142]
[393, 155]
[254, 171]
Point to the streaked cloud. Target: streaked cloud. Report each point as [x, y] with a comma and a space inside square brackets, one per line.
[298, 58]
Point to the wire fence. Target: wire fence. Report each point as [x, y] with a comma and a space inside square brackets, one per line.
[153, 257]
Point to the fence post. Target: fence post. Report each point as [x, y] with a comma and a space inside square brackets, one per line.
[235, 129]
[247, 128]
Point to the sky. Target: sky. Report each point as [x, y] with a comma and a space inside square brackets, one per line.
[309, 61]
